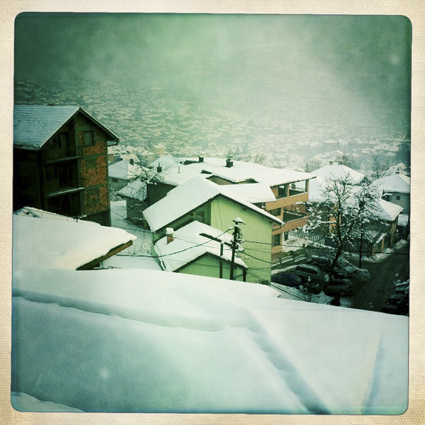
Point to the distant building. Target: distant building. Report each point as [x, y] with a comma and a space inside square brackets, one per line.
[122, 172]
[60, 161]
[395, 188]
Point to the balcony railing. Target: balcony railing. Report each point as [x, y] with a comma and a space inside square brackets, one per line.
[292, 215]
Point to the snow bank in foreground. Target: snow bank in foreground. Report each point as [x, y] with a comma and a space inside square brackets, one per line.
[151, 341]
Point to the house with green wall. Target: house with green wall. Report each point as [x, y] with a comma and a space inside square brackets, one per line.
[201, 250]
[201, 200]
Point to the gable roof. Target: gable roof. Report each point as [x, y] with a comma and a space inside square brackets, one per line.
[189, 196]
[395, 183]
[34, 125]
[385, 210]
[338, 171]
[136, 189]
[124, 170]
[46, 240]
[189, 244]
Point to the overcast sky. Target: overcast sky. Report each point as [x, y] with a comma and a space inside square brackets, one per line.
[358, 62]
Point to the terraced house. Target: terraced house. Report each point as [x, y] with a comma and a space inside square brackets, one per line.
[60, 162]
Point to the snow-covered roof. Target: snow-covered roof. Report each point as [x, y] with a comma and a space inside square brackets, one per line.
[240, 171]
[124, 170]
[315, 189]
[337, 171]
[387, 211]
[250, 192]
[136, 189]
[34, 125]
[48, 242]
[188, 196]
[395, 183]
[397, 168]
[131, 262]
[190, 244]
[403, 220]
[151, 341]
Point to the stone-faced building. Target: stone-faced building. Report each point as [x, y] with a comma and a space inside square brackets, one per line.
[60, 162]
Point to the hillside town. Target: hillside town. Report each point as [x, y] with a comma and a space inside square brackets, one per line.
[211, 214]
[86, 203]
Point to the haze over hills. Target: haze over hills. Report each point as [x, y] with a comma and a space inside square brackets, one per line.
[279, 84]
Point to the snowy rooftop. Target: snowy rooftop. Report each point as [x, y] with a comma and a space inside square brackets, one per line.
[253, 192]
[33, 125]
[395, 183]
[403, 220]
[189, 244]
[337, 171]
[240, 171]
[188, 196]
[151, 341]
[48, 241]
[387, 210]
[131, 262]
[124, 170]
[135, 190]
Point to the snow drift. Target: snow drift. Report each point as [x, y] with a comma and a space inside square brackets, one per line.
[152, 341]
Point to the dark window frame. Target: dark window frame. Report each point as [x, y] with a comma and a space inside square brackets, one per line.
[91, 141]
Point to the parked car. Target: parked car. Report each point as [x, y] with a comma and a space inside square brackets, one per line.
[324, 263]
[310, 271]
[287, 279]
[341, 287]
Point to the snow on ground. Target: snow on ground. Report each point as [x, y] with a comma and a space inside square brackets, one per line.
[151, 341]
[376, 258]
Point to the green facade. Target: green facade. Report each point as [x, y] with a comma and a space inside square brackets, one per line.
[256, 233]
[219, 213]
[209, 265]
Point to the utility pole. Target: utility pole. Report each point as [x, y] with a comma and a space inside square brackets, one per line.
[236, 243]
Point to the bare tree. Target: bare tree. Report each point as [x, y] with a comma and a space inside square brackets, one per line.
[379, 167]
[344, 215]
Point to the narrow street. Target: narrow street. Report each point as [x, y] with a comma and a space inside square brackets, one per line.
[374, 294]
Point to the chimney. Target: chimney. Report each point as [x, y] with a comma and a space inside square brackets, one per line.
[229, 162]
[170, 234]
[158, 168]
[131, 161]
[200, 158]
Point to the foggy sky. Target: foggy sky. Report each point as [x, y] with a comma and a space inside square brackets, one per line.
[357, 63]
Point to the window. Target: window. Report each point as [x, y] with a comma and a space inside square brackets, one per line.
[200, 216]
[276, 239]
[88, 138]
[397, 197]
